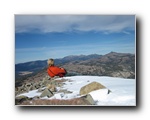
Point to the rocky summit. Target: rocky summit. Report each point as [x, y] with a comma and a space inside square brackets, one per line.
[48, 88]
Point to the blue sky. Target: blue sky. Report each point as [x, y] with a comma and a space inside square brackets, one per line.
[39, 37]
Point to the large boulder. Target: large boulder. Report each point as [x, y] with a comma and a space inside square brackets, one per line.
[91, 87]
[89, 99]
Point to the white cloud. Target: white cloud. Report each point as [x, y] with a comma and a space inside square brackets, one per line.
[65, 23]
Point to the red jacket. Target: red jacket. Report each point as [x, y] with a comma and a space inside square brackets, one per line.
[56, 71]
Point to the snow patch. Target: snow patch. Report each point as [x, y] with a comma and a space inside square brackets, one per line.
[99, 95]
[123, 91]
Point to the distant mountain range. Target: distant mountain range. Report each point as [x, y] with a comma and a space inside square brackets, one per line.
[112, 64]
[34, 66]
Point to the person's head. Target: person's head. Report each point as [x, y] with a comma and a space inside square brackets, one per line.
[50, 62]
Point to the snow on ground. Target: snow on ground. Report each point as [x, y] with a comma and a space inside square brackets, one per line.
[123, 91]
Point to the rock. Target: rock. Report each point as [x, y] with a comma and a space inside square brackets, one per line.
[65, 91]
[55, 77]
[89, 98]
[27, 85]
[20, 99]
[53, 82]
[45, 82]
[37, 85]
[46, 78]
[41, 89]
[35, 98]
[32, 88]
[47, 93]
[91, 87]
[123, 74]
[51, 87]
[21, 89]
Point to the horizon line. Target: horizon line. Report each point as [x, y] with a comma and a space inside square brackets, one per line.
[73, 55]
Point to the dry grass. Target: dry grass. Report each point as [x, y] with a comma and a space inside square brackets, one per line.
[75, 101]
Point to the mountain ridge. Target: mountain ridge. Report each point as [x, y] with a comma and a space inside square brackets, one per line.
[58, 61]
[111, 64]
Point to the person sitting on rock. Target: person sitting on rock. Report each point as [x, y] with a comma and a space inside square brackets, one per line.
[54, 70]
